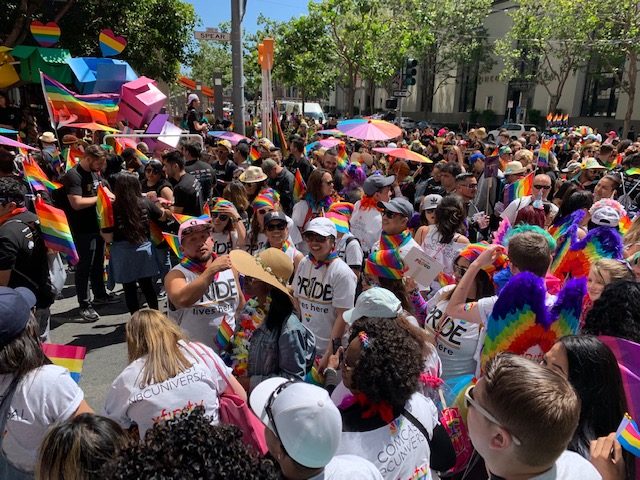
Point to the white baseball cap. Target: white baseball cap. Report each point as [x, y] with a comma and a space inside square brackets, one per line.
[376, 302]
[430, 202]
[192, 97]
[605, 217]
[322, 226]
[302, 416]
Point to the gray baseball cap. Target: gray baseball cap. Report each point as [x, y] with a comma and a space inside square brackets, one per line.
[398, 205]
[375, 183]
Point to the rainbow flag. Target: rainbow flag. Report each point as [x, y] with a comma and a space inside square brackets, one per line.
[104, 208]
[343, 158]
[629, 436]
[118, 148]
[142, 157]
[445, 279]
[519, 188]
[254, 155]
[545, 150]
[625, 224]
[206, 209]
[279, 139]
[225, 332]
[174, 243]
[314, 377]
[156, 233]
[36, 177]
[71, 157]
[633, 171]
[55, 230]
[299, 187]
[100, 108]
[67, 356]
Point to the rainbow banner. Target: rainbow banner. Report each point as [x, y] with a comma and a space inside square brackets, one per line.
[545, 151]
[174, 243]
[36, 177]
[254, 155]
[67, 356]
[518, 189]
[64, 104]
[279, 139]
[55, 230]
[225, 332]
[299, 187]
[104, 208]
[343, 158]
[629, 436]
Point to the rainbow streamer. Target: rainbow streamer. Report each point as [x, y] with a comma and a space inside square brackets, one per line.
[544, 152]
[629, 436]
[67, 356]
[254, 155]
[36, 177]
[627, 354]
[225, 332]
[518, 189]
[343, 158]
[299, 187]
[174, 244]
[55, 230]
[63, 103]
[633, 171]
[104, 208]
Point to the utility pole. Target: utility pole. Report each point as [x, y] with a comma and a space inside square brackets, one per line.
[236, 58]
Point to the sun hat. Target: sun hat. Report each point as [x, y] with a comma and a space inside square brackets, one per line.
[192, 97]
[572, 166]
[591, 163]
[226, 144]
[376, 302]
[271, 266]
[322, 226]
[192, 225]
[398, 205]
[430, 202]
[267, 197]
[375, 183]
[253, 174]
[266, 143]
[274, 216]
[307, 422]
[15, 311]
[47, 137]
[385, 264]
[69, 139]
[481, 132]
[514, 168]
[505, 150]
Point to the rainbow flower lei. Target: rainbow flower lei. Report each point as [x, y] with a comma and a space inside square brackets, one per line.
[251, 317]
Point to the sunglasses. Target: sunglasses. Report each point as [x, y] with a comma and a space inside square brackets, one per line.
[542, 187]
[269, 405]
[390, 214]
[264, 211]
[330, 182]
[459, 270]
[221, 216]
[276, 226]
[314, 237]
[469, 401]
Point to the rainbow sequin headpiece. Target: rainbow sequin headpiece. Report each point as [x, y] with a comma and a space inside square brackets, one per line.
[267, 197]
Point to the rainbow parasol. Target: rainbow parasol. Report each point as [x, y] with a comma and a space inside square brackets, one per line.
[403, 153]
[369, 129]
[233, 137]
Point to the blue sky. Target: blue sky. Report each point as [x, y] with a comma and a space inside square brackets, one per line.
[212, 12]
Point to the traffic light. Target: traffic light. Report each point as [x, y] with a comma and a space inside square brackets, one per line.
[391, 103]
[410, 72]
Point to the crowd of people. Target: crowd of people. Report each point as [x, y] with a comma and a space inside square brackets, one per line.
[294, 343]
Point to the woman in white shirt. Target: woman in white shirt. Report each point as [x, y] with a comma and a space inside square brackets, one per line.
[167, 375]
[228, 230]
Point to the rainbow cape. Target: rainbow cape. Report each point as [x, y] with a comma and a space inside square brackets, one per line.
[174, 243]
[36, 177]
[104, 208]
[223, 337]
[254, 155]
[55, 230]
[67, 356]
[544, 152]
[629, 436]
[519, 188]
[299, 187]
[343, 158]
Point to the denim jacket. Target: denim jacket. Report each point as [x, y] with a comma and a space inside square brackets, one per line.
[273, 356]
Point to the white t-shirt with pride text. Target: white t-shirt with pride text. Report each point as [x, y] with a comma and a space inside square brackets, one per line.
[366, 226]
[224, 242]
[319, 293]
[128, 402]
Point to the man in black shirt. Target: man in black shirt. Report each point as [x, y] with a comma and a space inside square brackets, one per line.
[224, 166]
[187, 191]
[23, 254]
[281, 180]
[198, 168]
[81, 186]
[297, 160]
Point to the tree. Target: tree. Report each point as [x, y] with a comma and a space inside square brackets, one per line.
[211, 58]
[158, 32]
[549, 40]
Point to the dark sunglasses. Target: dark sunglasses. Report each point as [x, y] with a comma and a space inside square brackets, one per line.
[314, 237]
[459, 270]
[269, 405]
[264, 211]
[221, 216]
[390, 214]
[542, 187]
[330, 182]
[276, 226]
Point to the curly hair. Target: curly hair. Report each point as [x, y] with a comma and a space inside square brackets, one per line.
[189, 447]
[450, 218]
[389, 368]
[616, 312]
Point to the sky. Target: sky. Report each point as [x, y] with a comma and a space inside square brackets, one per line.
[212, 12]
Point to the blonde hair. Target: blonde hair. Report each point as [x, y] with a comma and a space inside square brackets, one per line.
[614, 269]
[633, 235]
[151, 333]
[525, 157]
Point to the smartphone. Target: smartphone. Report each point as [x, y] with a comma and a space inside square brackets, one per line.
[336, 344]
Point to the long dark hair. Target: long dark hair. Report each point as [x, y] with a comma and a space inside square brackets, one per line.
[126, 208]
[280, 310]
[314, 184]
[450, 218]
[23, 353]
[575, 201]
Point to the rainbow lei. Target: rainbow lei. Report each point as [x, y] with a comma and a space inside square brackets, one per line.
[251, 317]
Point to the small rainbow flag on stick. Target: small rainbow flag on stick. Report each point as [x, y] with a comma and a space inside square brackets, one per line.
[36, 177]
[343, 159]
[518, 189]
[55, 230]
[254, 155]
[104, 209]
[174, 243]
[67, 356]
[629, 436]
[544, 152]
[299, 187]
[71, 157]
[225, 332]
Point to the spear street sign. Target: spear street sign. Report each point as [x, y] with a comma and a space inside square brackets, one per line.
[401, 93]
[214, 35]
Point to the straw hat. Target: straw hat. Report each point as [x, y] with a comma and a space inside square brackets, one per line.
[48, 137]
[480, 133]
[253, 175]
[271, 266]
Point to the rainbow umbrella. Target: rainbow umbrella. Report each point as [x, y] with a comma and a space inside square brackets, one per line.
[331, 131]
[369, 129]
[403, 153]
[233, 137]
[93, 126]
[12, 143]
[326, 143]
[8, 131]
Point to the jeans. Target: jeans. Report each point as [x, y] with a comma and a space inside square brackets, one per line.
[90, 247]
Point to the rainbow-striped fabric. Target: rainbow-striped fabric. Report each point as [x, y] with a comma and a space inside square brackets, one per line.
[55, 230]
[518, 189]
[545, 151]
[36, 177]
[299, 187]
[385, 264]
[225, 332]
[629, 436]
[104, 209]
[67, 356]
[267, 197]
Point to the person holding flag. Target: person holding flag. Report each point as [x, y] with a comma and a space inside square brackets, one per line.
[539, 192]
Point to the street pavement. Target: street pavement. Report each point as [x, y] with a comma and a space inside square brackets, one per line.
[104, 340]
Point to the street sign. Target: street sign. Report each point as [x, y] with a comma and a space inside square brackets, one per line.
[214, 35]
[401, 93]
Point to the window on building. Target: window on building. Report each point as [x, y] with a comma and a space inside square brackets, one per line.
[601, 92]
[468, 85]
[489, 105]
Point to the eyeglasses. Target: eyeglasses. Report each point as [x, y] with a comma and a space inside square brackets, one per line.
[264, 211]
[314, 237]
[459, 270]
[330, 182]
[221, 216]
[276, 226]
[469, 401]
[390, 214]
[269, 405]
[542, 187]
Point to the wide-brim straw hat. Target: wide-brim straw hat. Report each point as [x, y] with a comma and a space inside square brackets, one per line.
[253, 175]
[271, 266]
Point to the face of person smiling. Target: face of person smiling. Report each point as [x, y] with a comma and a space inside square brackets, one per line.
[276, 232]
[320, 247]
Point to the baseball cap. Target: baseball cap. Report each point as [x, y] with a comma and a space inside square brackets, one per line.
[398, 205]
[302, 416]
[322, 226]
[192, 225]
[571, 166]
[226, 144]
[375, 183]
[15, 311]
[606, 217]
[430, 202]
[274, 216]
[266, 143]
[476, 156]
[504, 150]
[192, 97]
[376, 302]
[268, 165]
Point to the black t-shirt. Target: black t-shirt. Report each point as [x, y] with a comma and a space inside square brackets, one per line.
[148, 210]
[79, 181]
[205, 174]
[187, 193]
[23, 251]
[158, 187]
[192, 116]
[283, 184]
[303, 165]
[224, 173]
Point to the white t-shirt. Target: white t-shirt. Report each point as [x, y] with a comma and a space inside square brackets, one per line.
[319, 292]
[456, 340]
[224, 242]
[45, 396]
[201, 320]
[399, 450]
[366, 226]
[570, 466]
[443, 253]
[511, 212]
[349, 250]
[130, 403]
[349, 467]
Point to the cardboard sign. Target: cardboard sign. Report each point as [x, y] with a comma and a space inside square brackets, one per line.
[421, 267]
[491, 165]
